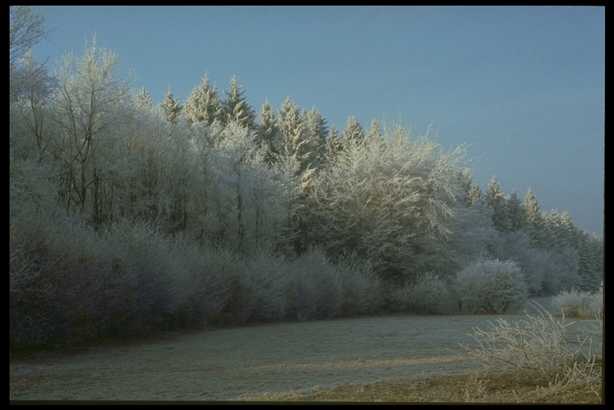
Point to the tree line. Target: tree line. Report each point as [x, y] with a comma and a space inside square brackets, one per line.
[104, 181]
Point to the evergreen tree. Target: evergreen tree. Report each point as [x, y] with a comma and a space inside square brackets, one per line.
[268, 132]
[203, 105]
[316, 130]
[496, 200]
[590, 263]
[333, 144]
[568, 231]
[294, 142]
[475, 195]
[533, 219]
[353, 133]
[236, 107]
[515, 215]
[375, 130]
[143, 98]
[464, 184]
[172, 108]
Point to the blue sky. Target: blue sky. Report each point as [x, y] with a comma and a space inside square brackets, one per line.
[523, 87]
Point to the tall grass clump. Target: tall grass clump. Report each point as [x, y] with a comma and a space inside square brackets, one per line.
[491, 286]
[537, 347]
[579, 304]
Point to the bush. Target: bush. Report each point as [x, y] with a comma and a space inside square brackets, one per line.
[69, 283]
[313, 291]
[360, 290]
[491, 286]
[429, 294]
[259, 289]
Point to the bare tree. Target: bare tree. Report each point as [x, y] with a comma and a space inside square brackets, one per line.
[26, 29]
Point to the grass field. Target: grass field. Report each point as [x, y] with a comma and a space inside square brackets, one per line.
[264, 362]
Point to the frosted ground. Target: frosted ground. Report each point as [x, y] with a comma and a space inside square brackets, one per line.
[239, 363]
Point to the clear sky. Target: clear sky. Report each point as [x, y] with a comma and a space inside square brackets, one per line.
[523, 87]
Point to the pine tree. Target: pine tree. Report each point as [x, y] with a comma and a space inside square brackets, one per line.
[533, 219]
[172, 108]
[464, 184]
[569, 232]
[590, 263]
[333, 144]
[353, 133]
[496, 200]
[294, 140]
[236, 107]
[551, 237]
[143, 98]
[316, 130]
[375, 130]
[268, 132]
[515, 211]
[203, 105]
[475, 195]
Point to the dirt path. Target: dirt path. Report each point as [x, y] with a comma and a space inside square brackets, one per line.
[233, 364]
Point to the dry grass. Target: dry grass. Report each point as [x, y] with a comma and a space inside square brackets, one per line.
[537, 344]
[243, 362]
[510, 387]
[580, 305]
[524, 361]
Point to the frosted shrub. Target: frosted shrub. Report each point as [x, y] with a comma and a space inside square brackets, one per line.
[360, 291]
[430, 294]
[579, 304]
[313, 291]
[260, 289]
[491, 286]
[70, 283]
[200, 287]
[536, 344]
[142, 257]
[397, 299]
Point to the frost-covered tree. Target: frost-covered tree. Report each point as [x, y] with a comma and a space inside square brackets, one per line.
[375, 130]
[31, 89]
[475, 195]
[514, 209]
[534, 219]
[294, 136]
[172, 108]
[495, 198]
[353, 133]
[333, 144]
[590, 262]
[386, 202]
[472, 236]
[464, 182]
[203, 104]
[268, 134]
[26, 28]
[89, 113]
[143, 99]
[316, 131]
[236, 107]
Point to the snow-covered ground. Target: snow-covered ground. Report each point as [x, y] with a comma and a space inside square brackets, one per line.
[236, 363]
